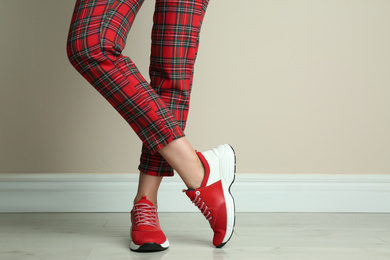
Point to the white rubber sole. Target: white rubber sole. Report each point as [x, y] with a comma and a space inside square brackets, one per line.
[227, 173]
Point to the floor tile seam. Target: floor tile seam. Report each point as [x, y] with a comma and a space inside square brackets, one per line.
[384, 240]
[89, 254]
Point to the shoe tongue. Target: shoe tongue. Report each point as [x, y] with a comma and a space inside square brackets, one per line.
[144, 201]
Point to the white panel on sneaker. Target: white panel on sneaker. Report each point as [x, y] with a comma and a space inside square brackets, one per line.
[214, 158]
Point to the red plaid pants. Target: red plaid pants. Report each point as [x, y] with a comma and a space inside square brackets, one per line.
[157, 111]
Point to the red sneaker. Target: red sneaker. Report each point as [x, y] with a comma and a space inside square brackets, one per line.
[213, 197]
[146, 234]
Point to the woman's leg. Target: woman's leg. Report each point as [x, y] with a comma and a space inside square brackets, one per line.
[175, 42]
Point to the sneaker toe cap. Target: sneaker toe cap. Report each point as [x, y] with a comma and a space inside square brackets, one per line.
[142, 237]
[219, 235]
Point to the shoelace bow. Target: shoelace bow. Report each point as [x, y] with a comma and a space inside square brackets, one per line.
[145, 214]
[201, 205]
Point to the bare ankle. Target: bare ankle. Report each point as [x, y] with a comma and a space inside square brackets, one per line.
[198, 176]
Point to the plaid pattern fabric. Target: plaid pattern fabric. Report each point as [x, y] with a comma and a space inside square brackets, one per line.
[175, 41]
[157, 112]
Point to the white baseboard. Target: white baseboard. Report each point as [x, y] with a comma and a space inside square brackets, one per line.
[252, 193]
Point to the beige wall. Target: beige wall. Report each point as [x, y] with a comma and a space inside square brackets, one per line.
[294, 86]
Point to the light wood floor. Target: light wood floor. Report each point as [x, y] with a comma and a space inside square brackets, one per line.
[257, 236]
